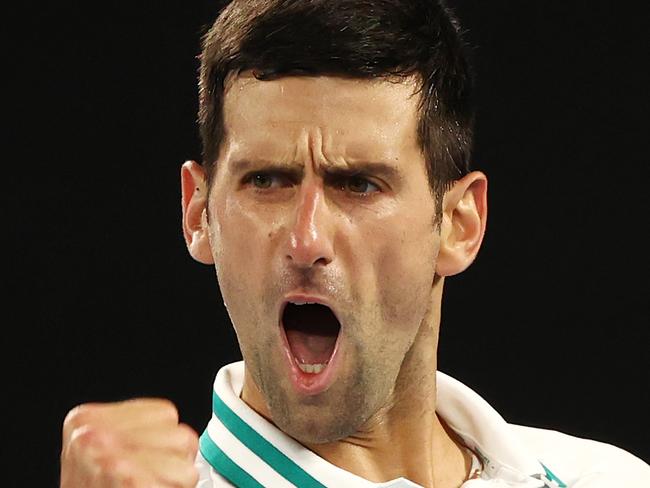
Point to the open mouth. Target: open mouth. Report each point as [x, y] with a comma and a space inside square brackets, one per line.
[312, 330]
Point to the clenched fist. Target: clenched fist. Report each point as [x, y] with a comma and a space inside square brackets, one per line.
[137, 443]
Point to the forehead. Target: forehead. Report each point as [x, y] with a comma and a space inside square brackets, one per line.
[355, 118]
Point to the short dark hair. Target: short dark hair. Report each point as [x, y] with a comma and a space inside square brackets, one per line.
[350, 38]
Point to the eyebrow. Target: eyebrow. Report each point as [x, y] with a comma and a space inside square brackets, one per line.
[376, 168]
[240, 166]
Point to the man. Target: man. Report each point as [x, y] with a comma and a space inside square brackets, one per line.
[334, 198]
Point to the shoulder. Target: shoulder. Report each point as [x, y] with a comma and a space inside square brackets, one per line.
[583, 462]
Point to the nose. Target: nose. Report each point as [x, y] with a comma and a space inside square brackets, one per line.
[310, 238]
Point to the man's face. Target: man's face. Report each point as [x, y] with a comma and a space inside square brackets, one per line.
[320, 195]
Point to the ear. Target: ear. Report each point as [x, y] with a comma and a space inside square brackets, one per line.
[194, 204]
[463, 223]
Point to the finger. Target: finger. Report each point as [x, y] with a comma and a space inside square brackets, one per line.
[117, 471]
[76, 460]
[90, 457]
[167, 469]
[95, 459]
[180, 440]
[120, 416]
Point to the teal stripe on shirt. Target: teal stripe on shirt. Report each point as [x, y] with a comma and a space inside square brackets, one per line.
[552, 477]
[270, 454]
[224, 465]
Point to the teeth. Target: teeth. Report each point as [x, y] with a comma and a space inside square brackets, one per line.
[303, 303]
[312, 368]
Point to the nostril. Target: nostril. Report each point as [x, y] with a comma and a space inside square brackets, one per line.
[308, 263]
[322, 261]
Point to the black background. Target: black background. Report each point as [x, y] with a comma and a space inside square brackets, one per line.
[550, 324]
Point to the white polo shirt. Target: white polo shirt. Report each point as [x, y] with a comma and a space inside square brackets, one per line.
[241, 448]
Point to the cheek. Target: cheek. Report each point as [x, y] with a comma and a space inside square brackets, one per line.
[405, 269]
[242, 254]
[244, 239]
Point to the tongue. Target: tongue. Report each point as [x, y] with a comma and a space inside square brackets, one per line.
[310, 347]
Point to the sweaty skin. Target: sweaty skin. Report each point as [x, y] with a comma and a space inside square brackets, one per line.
[321, 189]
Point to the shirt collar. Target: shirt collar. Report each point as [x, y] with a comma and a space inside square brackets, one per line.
[250, 451]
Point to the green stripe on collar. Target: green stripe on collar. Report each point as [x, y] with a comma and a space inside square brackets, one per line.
[551, 477]
[224, 465]
[266, 451]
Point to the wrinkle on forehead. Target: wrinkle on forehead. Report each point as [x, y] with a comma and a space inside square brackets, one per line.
[328, 120]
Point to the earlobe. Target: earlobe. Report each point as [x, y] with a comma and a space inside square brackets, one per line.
[463, 224]
[194, 207]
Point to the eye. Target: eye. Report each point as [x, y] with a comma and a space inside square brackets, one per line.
[262, 181]
[359, 184]
[265, 181]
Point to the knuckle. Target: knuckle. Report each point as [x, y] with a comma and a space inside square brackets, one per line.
[83, 436]
[79, 415]
[168, 409]
[87, 437]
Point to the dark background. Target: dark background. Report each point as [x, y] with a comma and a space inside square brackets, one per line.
[550, 324]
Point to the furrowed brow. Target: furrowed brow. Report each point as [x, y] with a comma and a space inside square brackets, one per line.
[242, 166]
[379, 169]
